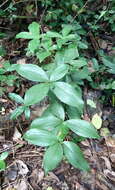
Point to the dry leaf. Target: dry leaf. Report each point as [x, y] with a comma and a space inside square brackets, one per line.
[17, 135]
[23, 169]
[21, 185]
[104, 132]
[110, 141]
[96, 121]
[110, 174]
[107, 162]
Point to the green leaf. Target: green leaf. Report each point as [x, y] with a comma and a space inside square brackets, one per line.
[34, 32]
[41, 55]
[59, 72]
[4, 155]
[53, 34]
[16, 98]
[91, 103]
[75, 156]
[48, 123]
[27, 113]
[52, 157]
[67, 55]
[78, 63]
[82, 45]
[18, 111]
[71, 53]
[57, 110]
[113, 85]
[32, 72]
[40, 137]
[34, 28]
[33, 45]
[2, 51]
[109, 62]
[13, 67]
[66, 30]
[82, 128]
[36, 93]
[96, 121]
[61, 131]
[73, 113]
[67, 94]
[2, 165]
[25, 35]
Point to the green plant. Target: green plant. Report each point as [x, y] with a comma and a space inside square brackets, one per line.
[5, 78]
[3, 156]
[57, 81]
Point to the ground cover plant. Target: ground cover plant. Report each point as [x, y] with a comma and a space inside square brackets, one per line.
[53, 127]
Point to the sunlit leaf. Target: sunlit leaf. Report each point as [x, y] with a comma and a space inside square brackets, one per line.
[52, 157]
[96, 121]
[40, 137]
[74, 155]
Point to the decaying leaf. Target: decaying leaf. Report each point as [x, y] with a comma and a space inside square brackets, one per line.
[96, 121]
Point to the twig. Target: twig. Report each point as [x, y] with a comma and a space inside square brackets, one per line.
[79, 12]
[3, 3]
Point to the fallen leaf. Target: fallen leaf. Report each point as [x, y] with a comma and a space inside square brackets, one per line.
[104, 132]
[96, 121]
[50, 188]
[17, 135]
[107, 162]
[110, 141]
[110, 174]
[21, 185]
[22, 167]
[112, 157]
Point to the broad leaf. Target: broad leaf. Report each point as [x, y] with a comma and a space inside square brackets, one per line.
[52, 157]
[34, 32]
[73, 113]
[27, 113]
[25, 35]
[78, 63]
[16, 98]
[33, 45]
[61, 131]
[67, 29]
[71, 53]
[2, 165]
[57, 110]
[113, 85]
[59, 72]
[18, 111]
[32, 72]
[41, 55]
[49, 122]
[82, 45]
[36, 93]
[67, 94]
[34, 28]
[67, 55]
[107, 61]
[82, 128]
[40, 137]
[75, 156]
[4, 155]
[96, 121]
[53, 34]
